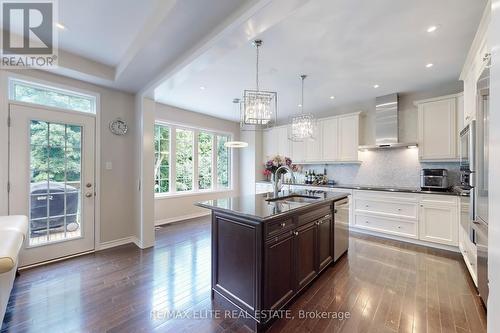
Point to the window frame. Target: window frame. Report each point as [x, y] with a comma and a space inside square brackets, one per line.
[94, 99]
[173, 153]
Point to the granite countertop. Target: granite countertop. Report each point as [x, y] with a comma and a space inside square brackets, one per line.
[259, 208]
[385, 189]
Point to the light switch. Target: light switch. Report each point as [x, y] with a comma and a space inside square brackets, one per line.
[109, 166]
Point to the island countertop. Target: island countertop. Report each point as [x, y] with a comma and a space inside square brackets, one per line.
[262, 207]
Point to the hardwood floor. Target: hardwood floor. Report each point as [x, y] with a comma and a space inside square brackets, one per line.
[385, 286]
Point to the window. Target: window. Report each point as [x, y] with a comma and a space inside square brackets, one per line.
[162, 159]
[184, 160]
[29, 92]
[223, 165]
[205, 145]
[196, 158]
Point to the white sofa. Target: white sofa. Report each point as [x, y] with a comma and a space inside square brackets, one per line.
[13, 231]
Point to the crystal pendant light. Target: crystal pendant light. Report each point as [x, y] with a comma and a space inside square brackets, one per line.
[236, 144]
[259, 108]
[302, 125]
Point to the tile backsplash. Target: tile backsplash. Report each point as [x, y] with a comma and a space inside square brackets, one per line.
[394, 167]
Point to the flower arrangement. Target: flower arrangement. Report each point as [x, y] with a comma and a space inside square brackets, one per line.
[274, 163]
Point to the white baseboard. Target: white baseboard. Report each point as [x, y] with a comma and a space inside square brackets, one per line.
[116, 242]
[404, 239]
[181, 218]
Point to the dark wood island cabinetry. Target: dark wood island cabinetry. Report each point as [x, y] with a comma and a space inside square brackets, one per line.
[265, 250]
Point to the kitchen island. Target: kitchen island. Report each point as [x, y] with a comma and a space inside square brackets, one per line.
[266, 249]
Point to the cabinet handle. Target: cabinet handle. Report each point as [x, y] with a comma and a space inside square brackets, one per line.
[295, 233]
[399, 209]
[367, 222]
[399, 227]
[283, 224]
[317, 223]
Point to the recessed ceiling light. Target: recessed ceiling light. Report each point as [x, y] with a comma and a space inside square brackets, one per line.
[429, 65]
[376, 86]
[432, 28]
[60, 26]
[332, 97]
[202, 88]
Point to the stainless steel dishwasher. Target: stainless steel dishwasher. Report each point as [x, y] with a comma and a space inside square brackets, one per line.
[341, 229]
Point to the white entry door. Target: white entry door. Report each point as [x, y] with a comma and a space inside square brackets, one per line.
[51, 176]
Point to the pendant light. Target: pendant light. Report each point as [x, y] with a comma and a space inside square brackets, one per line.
[259, 108]
[236, 144]
[302, 125]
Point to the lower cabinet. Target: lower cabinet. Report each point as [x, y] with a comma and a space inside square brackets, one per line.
[426, 217]
[306, 247]
[279, 268]
[325, 242]
[439, 221]
[294, 258]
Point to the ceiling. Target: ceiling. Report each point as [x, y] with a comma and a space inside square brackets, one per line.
[127, 44]
[102, 30]
[345, 48]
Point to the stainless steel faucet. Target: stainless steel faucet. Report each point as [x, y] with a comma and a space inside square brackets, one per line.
[277, 178]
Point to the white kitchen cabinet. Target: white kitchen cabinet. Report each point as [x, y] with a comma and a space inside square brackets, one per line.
[348, 137]
[298, 154]
[269, 145]
[438, 220]
[437, 129]
[314, 146]
[283, 142]
[330, 133]
[336, 139]
[275, 142]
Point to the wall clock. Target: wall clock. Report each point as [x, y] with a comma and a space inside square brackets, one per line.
[118, 127]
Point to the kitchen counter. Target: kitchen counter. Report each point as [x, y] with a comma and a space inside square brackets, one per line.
[266, 249]
[262, 207]
[383, 188]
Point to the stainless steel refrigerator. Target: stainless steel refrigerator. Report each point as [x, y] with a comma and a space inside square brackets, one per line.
[479, 180]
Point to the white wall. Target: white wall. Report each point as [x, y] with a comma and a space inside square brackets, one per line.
[117, 186]
[494, 181]
[167, 209]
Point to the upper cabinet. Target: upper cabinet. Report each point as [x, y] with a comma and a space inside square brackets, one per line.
[336, 141]
[330, 149]
[275, 142]
[438, 133]
[475, 63]
[348, 138]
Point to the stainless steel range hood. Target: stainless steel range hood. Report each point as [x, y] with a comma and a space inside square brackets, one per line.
[387, 124]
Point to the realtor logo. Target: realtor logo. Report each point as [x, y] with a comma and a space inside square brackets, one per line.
[28, 34]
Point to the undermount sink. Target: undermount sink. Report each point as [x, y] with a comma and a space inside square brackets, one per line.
[295, 198]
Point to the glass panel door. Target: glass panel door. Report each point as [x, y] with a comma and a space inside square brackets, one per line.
[51, 175]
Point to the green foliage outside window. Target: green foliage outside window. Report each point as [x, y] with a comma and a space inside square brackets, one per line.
[205, 141]
[184, 160]
[45, 96]
[162, 159]
[223, 162]
[55, 152]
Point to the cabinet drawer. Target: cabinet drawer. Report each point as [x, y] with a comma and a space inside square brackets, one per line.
[314, 215]
[400, 228]
[402, 209]
[277, 227]
[439, 199]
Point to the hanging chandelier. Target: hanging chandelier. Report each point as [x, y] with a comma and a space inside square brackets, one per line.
[302, 125]
[236, 144]
[259, 108]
